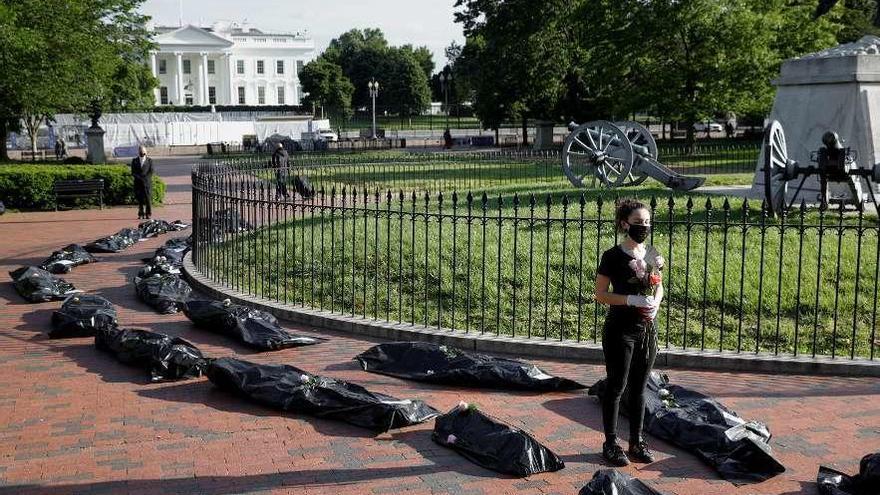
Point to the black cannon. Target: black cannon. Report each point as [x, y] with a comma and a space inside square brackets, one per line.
[840, 178]
[617, 154]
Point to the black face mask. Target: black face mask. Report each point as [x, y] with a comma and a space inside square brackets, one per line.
[638, 233]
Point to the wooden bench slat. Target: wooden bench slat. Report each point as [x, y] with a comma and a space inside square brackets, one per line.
[76, 188]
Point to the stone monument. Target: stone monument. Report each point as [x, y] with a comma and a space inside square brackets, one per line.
[838, 90]
[543, 135]
[95, 138]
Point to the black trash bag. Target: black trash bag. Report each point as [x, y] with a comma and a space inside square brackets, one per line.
[251, 327]
[291, 389]
[83, 316]
[166, 293]
[166, 358]
[229, 221]
[115, 243]
[303, 186]
[37, 285]
[159, 265]
[66, 258]
[613, 482]
[738, 449]
[427, 362]
[178, 244]
[867, 482]
[153, 228]
[173, 254]
[493, 444]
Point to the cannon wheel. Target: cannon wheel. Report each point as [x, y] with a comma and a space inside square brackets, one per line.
[775, 162]
[639, 135]
[598, 148]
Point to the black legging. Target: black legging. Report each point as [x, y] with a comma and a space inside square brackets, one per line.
[628, 360]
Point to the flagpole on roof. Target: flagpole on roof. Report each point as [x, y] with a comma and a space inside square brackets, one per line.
[180, 13]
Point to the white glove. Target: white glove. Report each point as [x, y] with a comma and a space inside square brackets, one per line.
[641, 301]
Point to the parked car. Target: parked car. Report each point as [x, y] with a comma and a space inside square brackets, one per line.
[327, 135]
[713, 127]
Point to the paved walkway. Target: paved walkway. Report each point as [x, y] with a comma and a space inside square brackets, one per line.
[73, 420]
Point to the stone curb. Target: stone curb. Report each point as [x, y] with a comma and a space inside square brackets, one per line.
[521, 347]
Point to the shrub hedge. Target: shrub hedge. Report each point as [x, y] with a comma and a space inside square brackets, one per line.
[30, 186]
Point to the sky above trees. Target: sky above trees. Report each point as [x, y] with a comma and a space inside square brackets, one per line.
[417, 22]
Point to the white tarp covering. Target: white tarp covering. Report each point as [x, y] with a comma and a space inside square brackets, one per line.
[181, 129]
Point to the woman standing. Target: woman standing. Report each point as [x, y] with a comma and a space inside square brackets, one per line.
[629, 336]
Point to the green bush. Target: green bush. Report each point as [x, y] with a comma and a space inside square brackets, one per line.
[30, 186]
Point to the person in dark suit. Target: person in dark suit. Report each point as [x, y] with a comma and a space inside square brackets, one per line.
[279, 163]
[142, 171]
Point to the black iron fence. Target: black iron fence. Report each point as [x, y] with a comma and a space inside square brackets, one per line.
[390, 241]
[393, 169]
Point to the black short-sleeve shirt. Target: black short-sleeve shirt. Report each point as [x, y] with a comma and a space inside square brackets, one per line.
[615, 265]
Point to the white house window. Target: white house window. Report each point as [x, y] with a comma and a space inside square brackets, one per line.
[299, 66]
[239, 66]
[261, 67]
[241, 100]
[212, 95]
[279, 66]
[187, 67]
[261, 95]
[163, 66]
[211, 67]
[189, 99]
[163, 95]
[281, 95]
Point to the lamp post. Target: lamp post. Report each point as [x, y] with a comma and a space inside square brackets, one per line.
[373, 86]
[445, 81]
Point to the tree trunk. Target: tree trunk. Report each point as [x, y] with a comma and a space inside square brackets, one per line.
[4, 132]
[497, 138]
[32, 123]
[691, 143]
[525, 132]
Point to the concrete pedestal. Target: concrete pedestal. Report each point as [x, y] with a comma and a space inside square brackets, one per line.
[543, 136]
[837, 89]
[95, 144]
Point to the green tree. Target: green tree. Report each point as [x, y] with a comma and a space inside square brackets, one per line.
[423, 56]
[856, 17]
[72, 56]
[520, 57]
[720, 55]
[327, 86]
[403, 72]
[404, 84]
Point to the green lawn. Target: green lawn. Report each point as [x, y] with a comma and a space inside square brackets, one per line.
[743, 283]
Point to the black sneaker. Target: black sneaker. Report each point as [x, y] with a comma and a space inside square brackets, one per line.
[639, 452]
[613, 453]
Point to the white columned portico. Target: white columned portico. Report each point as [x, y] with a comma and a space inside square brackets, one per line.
[229, 73]
[295, 100]
[203, 80]
[156, 75]
[181, 99]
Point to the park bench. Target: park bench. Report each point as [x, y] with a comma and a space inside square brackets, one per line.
[78, 189]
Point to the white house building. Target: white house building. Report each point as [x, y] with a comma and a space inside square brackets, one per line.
[228, 64]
